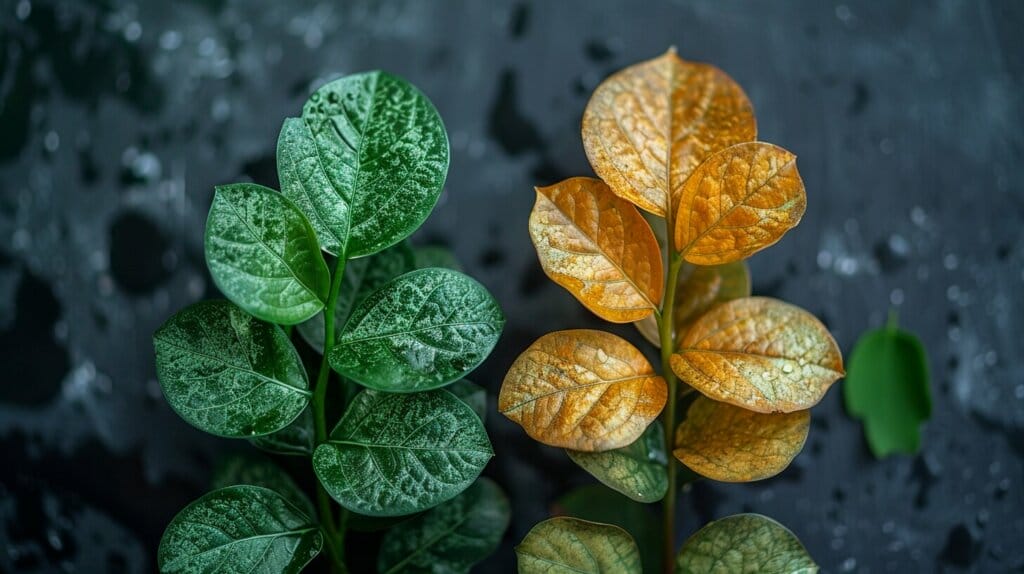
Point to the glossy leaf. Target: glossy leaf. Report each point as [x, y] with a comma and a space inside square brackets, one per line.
[744, 543]
[421, 331]
[296, 439]
[739, 201]
[699, 289]
[239, 529]
[760, 354]
[264, 255]
[450, 538]
[562, 544]
[304, 180]
[648, 127]
[599, 248]
[260, 471]
[363, 276]
[887, 388]
[472, 394]
[637, 470]
[394, 454]
[382, 144]
[584, 390]
[597, 503]
[731, 444]
[228, 373]
[436, 256]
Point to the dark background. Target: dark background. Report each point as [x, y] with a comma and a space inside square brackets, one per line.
[118, 118]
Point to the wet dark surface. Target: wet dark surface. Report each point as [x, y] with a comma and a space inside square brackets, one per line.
[118, 119]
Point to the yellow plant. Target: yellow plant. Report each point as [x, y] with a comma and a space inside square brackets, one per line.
[678, 140]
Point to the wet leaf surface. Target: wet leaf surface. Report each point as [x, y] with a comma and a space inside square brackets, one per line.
[747, 544]
[637, 470]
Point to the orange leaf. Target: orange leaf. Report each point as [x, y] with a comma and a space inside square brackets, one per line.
[700, 288]
[741, 200]
[649, 126]
[583, 390]
[731, 444]
[599, 247]
[760, 354]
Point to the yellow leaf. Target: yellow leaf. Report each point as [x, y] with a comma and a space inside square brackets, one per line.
[599, 247]
[583, 390]
[700, 288]
[760, 354]
[731, 444]
[741, 200]
[649, 126]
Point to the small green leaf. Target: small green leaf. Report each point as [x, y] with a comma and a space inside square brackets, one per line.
[383, 144]
[562, 545]
[260, 471]
[436, 256]
[421, 331]
[394, 454]
[744, 543]
[472, 394]
[228, 373]
[450, 538]
[597, 503]
[304, 180]
[296, 439]
[239, 529]
[887, 387]
[263, 254]
[638, 470]
[363, 276]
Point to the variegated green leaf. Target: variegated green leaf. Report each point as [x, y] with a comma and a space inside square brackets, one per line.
[744, 544]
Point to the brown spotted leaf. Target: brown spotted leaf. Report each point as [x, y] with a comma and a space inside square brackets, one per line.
[599, 247]
[741, 200]
[649, 126]
[583, 390]
[700, 288]
[731, 444]
[760, 354]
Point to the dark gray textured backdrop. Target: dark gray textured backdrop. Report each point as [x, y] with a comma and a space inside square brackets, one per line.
[118, 118]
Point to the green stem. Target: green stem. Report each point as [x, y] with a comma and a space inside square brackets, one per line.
[333, 536]
[666, 320]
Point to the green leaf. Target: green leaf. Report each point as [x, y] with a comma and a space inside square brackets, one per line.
[383, 144]
[421, 331]
[638, 470]
[562, 545]
[260, 471]
[239, 529]
[887, 387]
[597, 503]
[394, 454]
[296, 439]
[363, 276]
[744, 543]
[450, 538]
[472, 394]
[228, 373]
[304, 180]
[436, 256]
[263, 254]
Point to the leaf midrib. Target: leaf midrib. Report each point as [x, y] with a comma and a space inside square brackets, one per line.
[233, 541]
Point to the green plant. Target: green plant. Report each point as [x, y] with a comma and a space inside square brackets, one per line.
[360, 171]
[678, 140]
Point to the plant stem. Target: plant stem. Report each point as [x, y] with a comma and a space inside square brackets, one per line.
[333, 536]
[666, 321]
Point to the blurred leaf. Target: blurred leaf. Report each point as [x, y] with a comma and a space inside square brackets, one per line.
[260, 471]
[596, 503]
[887, 387]
[296, 439]
[584, 390]
[264, 255]
[472, 394]
[637, 470]
[436, 256]
[560, 545]
[744, 543]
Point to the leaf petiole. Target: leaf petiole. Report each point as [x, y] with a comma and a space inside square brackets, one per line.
[665, 320]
